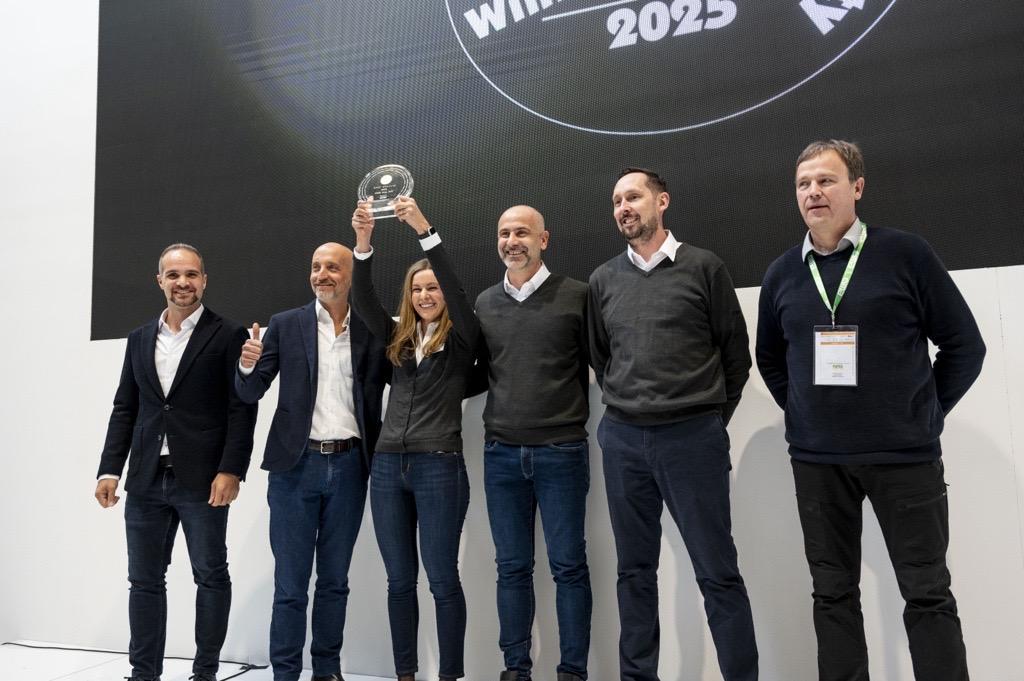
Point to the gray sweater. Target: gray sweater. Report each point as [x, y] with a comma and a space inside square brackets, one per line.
[536, 360]
[424, 412]
[670, 343]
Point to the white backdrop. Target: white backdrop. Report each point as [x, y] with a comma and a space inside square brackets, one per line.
[63, 563]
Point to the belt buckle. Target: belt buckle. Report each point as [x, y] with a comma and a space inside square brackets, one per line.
[330, 443]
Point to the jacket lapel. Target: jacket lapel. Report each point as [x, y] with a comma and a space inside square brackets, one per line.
[307, 326]
[149, 355]
[207, 327]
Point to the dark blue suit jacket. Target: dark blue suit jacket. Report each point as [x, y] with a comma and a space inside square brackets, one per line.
[209, 430]
[290, 347]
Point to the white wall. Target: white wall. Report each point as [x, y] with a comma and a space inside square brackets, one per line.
[63, 563]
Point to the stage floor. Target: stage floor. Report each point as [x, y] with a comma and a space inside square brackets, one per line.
[51, 661]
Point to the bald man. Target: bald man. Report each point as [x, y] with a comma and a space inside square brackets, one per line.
[536, 453]
[326, 424]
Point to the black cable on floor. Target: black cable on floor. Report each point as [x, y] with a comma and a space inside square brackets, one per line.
[246, 667]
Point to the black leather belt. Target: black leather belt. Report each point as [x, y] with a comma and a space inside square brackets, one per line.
[333, 446]
[164, 462]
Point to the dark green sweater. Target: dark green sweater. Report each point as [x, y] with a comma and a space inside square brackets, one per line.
[537, 363]
[670, 343]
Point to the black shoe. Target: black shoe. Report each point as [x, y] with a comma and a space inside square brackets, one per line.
[566, 676]
[142, 678]
[203, 676]
[329, 677]
[512, 676]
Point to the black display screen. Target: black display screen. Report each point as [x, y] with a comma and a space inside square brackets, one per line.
[245, 129]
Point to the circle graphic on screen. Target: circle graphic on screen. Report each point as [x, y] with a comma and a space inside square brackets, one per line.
[647, 67]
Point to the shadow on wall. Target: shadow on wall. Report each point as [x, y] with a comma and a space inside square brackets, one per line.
[766, 528]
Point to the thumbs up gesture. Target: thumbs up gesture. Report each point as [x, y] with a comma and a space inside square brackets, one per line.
[252, 349]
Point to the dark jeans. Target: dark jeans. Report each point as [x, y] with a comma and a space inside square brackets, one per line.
[910, 503]
[151, 521]
[684, 466]
[429, 489]
[315, 511]
[556, 478]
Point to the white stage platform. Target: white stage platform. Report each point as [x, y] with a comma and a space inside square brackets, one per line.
[42, 661]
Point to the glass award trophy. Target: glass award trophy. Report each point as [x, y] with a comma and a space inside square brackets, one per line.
[382, 186]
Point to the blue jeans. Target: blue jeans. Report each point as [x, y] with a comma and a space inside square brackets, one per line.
[555, 478]
[151, 519]
[684, 466]
[315, 511]
[429, 489]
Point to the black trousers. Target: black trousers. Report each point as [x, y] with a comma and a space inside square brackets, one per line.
[909, 501]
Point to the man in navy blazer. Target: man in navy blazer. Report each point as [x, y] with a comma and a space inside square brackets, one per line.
[187, 439]
[318, 451]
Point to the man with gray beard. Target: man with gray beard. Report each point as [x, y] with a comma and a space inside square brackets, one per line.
[536, 453]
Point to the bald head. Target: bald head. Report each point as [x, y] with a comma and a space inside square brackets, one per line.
[521, 239]
[330, 274]
[523, 215]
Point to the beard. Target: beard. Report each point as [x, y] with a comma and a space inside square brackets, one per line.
[641, 232]
[184, 298]
[523, 262]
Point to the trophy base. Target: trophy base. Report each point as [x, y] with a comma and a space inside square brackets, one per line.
[382, 212]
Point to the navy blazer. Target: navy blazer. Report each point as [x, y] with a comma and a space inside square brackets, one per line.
[209, 429]
[290, 347]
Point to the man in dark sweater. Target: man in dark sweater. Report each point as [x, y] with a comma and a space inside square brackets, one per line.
[669, 346]
[536, 453]
[864, 409]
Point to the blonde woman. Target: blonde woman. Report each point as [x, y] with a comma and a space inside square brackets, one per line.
[418, 476]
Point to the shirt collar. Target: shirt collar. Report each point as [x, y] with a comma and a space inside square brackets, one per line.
[187, 323]
[668, 250]
[849, 239]
[531, 284]
[324, 317]
[431, 328]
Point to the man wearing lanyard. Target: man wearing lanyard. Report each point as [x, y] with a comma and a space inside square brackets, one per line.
[842, 344]
[321, 439]
[536, 453]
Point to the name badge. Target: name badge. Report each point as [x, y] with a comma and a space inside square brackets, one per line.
[835, 355]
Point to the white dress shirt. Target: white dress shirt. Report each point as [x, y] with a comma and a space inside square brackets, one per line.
[531, 285]
[170, 346]
[334, 412]
[423, 338]
[668, 250]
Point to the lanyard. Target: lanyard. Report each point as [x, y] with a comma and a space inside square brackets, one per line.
[847, 275]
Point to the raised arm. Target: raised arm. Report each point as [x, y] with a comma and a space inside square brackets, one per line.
[464, 322]
[364, 296]
[258, 364]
